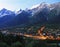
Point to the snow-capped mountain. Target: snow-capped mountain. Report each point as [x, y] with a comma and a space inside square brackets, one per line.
[19, 11]
[26, 10]
[5, 12]
[50, 12]
[40, 7]
[37, 14]
[45, 7]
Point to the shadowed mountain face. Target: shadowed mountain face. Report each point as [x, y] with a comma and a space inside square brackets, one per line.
[22, 18]
[43, 13]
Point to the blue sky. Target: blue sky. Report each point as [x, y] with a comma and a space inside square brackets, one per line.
[17, 4]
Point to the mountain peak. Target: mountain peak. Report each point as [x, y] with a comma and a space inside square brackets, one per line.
[4, 12]
[3, 9]
[43, 4]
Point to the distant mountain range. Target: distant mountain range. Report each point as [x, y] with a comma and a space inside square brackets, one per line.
[41, 13]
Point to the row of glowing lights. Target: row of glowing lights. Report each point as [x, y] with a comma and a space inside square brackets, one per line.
[39, 35]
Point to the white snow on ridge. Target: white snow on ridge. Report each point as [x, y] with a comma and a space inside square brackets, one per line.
[34, 6]
[42, 5]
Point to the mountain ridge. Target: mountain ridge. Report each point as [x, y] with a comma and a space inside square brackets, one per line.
[44, 13]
